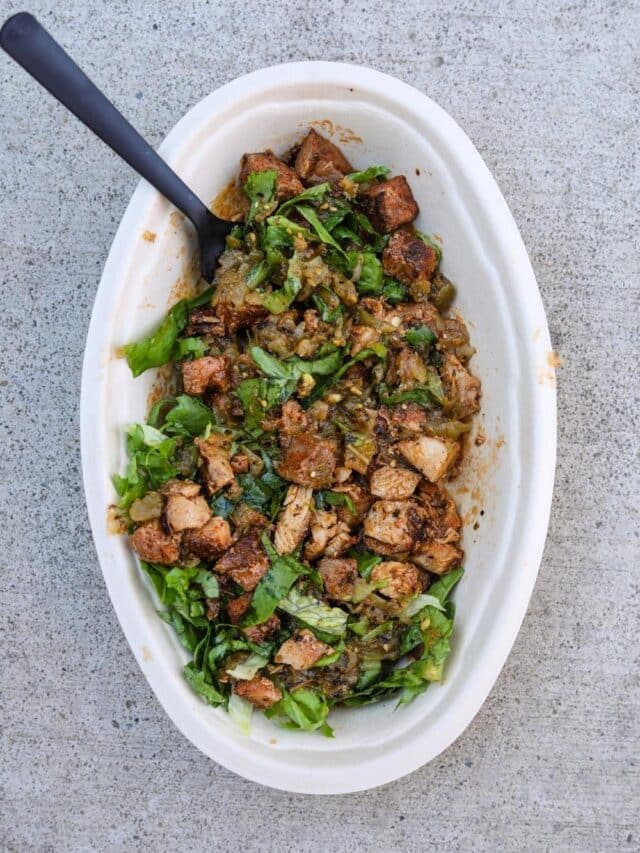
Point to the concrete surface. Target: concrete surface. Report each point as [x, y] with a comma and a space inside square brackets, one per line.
[549, 92]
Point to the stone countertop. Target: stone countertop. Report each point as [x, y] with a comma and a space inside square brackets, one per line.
[549, 93]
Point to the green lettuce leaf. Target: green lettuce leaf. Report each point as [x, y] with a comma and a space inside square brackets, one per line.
[249, 667]
[189, 417]
[260, 188]
[305, 709]
[280, 299]
[316, 194]
[283, 572]
[367, 176]
[160, 347]
[198, 683]
[314, 220]
[314, 613]
[240, 711]
[420, 337]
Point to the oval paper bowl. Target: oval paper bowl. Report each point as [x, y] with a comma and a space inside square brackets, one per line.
[376, 119]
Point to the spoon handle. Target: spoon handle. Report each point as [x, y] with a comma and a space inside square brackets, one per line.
[24, 39]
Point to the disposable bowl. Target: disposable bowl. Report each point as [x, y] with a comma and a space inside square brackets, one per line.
[505, 491]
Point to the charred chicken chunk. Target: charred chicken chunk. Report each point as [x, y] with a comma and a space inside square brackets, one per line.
[260, 691]
[182, 513]
[302, 650]
[393, 483]
[237, 607]
[308, 460]
[390, 204]
[399, 579]
[152, 544]
[442, 520]
[390, 527]
[360, 499]
[204, 322]
[245, 562]
[320, 160]
[203, 373]
[463, 389]
[339, 577]
[216, 470]
[263, 631]
[437, 557]
[288, 183]
[433, 457]
[410, 260]
[209, 541]
[293, 521]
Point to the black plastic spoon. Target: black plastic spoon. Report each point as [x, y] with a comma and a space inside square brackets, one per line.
[24, 39]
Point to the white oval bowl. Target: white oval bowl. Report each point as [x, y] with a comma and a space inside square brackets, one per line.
[510, 476]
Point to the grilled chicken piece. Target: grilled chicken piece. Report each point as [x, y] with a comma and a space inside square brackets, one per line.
[294, 518]
[389, 204]
[442, 520]
[410, 260]
[361, 337]
[391, 526]
[319, 160]
[437, 557]
[260, 691]
[203, 321]
[182, 513]
[277, 333]
[341, 542]
[293, 419]
[409, 369]
[210, 371]
[431, 456]
[239, 463]
[213, 608]
[152, 544]
[323, 526]
[361, 501]
[187, 488]
[264, 631]
[395, 423]
[408, 418]
[216, 468]
[302, 650]
[288, 183]
[393, 483]
[237, 607]
[418, 314]
[339, 577]
[245, 519]
[245, 562]
[308, 460]
[209, 541]
[401, 579]
[463, 389]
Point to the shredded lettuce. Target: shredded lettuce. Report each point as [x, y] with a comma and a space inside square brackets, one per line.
[314, 613]
[419, 603]
[246, 670]
[240, 711]
[304, 709]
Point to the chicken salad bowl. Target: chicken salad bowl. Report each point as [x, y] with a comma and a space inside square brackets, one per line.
[306, 448]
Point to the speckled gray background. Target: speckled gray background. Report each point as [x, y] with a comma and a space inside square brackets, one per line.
[549, 93]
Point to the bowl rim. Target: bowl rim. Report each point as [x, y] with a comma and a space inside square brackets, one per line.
[543, 405]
